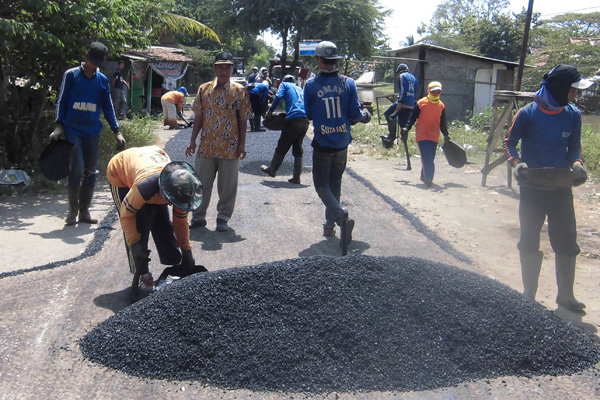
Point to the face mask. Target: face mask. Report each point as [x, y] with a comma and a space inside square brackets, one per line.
[432, 98]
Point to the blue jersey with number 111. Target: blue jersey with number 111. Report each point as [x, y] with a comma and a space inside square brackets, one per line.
[331, 102]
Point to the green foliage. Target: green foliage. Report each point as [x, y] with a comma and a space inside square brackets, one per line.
[481, 27]
[138, 132]
[551, 42]
[590, 149]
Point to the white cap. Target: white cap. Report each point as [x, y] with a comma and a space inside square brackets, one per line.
[582, 84]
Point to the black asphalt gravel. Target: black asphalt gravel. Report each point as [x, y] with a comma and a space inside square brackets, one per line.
[338, 324]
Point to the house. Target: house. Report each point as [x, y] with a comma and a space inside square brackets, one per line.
[152, 72]
[468, 80]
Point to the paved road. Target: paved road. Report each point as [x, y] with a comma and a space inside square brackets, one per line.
[47, 307]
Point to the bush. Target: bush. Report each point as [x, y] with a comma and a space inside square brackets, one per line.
[137, 132]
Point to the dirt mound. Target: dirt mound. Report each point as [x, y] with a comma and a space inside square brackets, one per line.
[324, 324]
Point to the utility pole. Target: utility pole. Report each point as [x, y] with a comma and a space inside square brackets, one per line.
[524, 46]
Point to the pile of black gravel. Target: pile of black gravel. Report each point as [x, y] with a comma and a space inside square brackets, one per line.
[323, 324]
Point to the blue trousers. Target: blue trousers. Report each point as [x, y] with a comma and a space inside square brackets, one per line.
[427, 148]
[84, 160]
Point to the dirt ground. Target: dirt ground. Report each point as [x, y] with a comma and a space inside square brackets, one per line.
[482, 221]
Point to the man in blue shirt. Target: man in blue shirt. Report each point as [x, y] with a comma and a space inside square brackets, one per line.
[259, 94]
[401, 109]
[84, 93]
[294, 128]
[549, 130]
[331, 102]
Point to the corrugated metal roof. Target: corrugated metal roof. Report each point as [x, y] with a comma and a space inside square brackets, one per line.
[431, 46]
[158, 53]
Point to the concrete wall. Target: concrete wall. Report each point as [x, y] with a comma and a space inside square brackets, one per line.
[457, 72]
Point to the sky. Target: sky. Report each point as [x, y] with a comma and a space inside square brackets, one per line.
[407, 16]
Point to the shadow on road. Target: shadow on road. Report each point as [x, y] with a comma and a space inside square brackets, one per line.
[116, 301]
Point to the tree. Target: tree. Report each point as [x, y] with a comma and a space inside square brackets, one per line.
[41, 38]
[355, 25]
[481, 27]
[551, 44]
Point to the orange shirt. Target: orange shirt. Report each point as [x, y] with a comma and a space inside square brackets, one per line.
[428, 123]
[174, 97]
[222, 109]
[126, 170]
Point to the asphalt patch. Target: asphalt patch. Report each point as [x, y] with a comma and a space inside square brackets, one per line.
[338, 324]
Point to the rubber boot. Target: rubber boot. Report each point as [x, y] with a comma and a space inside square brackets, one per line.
[531, 265]
[565, 279]
[297, 171]
[73, 206]
[85, 199]
[388, 140]
[271, 170]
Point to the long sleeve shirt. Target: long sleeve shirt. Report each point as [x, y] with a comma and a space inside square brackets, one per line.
[549, 139]
[139, 168]
[331, 102]
[80, 101]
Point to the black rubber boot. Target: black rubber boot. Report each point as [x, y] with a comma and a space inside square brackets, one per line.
[565, 279]
[297, 171]
[531, 265]
[85, 199]
[73, 196]
[271, 170]
[388, 140]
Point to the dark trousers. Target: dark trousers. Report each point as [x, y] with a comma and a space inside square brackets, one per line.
[155, 219]
[402, 115]
[537, 204]
[328, 169]
[292, 135]
[258, 109]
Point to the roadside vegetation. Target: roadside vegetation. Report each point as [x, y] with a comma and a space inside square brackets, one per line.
[139, 131]
[472, 134]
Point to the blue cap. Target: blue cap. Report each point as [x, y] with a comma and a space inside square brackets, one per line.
[183, 90]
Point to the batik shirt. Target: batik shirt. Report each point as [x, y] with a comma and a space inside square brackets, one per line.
[221, 109]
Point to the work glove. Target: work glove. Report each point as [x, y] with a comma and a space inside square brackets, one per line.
[579, 174]
[120, 141]
[179, 115]
[367, 117]
[187, 259]
[57, 133]
[519, 170]
[140, 256]
[446, 139]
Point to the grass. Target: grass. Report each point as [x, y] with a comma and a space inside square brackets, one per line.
[472, 135]
[139, 131]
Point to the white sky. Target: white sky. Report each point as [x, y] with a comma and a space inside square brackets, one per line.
[410, 14]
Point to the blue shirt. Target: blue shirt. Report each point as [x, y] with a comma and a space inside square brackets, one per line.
[80, 101]
[331, 102]
[294, 100]
[407, 89]
[261, 90]
[548, 139]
